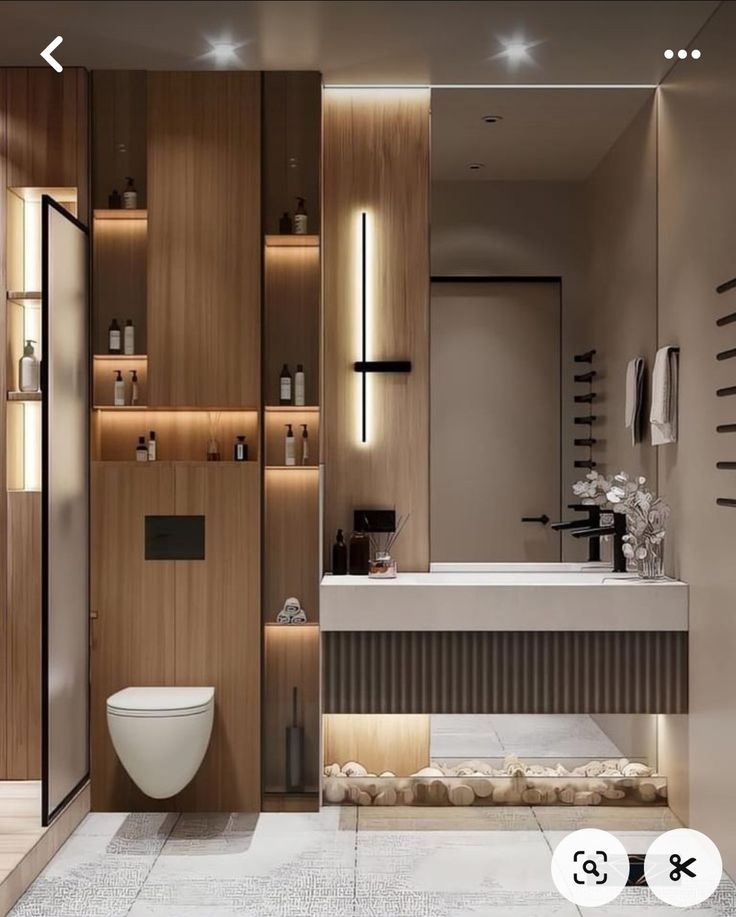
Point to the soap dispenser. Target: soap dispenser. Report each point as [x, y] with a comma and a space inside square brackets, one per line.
[118, 398]
[29, 374]
[300, 218]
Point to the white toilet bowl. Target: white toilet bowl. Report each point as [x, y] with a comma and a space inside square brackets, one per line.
[161, 735]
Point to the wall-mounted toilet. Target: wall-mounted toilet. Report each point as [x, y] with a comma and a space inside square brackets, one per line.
[161, 735]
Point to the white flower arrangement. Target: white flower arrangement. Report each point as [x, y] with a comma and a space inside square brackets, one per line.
[646, 515]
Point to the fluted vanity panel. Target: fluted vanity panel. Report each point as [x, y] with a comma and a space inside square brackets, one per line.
[505, 672]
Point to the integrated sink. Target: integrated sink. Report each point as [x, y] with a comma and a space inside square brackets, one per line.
[517, 597]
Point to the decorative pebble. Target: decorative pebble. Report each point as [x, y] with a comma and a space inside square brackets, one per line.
[386, 797]
[461, 795]
[353, 769]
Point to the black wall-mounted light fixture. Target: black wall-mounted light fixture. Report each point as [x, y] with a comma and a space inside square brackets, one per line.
[364, 365]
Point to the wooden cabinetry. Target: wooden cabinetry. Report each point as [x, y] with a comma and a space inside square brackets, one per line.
[204, 232]
[179, 622]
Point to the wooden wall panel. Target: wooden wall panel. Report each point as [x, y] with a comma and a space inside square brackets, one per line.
[218, 630]
[133, 635]
[204, 237]
[48, 143]
[23, 637]
[379, 741]
[3, 398]
[376, 158]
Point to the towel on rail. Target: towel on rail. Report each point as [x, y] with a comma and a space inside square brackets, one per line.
[665, 380]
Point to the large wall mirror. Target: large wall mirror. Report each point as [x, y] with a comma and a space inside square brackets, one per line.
[543, 248]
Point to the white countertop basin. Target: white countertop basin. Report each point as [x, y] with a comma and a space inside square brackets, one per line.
[504, 601]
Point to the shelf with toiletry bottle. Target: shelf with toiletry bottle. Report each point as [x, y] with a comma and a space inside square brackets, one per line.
[23, 338]
[180, 434]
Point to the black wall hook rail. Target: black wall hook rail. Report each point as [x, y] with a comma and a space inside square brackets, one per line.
[588, 441]
[726, 319]
[586, 357]
[728, 285]
[585, 377]
[725, 501]
[585, 463]
[585, 399]
[590, 419]
[726, 466]
[726, 354]
[726, 428]
[725, 392]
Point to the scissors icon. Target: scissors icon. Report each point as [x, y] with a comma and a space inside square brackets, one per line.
[680, 867]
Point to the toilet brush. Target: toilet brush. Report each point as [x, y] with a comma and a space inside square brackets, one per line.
[294, 749]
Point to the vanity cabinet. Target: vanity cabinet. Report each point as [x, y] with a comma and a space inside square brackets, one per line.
[204, 232]
[179, 622]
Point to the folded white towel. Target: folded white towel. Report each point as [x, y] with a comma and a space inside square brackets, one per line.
[663, 413]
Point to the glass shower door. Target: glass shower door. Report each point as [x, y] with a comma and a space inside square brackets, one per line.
[65, 375]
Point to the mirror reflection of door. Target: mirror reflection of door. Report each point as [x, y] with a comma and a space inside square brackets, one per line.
[495, 420]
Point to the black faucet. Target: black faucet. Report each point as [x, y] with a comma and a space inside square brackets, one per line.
[618, 530]
[592, 522]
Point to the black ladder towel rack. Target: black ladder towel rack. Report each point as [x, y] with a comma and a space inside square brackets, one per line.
[728, 390]
[585, 378]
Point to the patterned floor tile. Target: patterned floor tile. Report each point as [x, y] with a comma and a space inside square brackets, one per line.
[608, 818]
[413, 818]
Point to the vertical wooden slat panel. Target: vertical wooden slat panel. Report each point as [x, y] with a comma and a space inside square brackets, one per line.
[218, 630]
[376, 158]
[3, 416]
[133, 635]
[505, 672]
[204, 239]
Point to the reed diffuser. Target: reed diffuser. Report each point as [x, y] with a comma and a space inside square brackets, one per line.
[383, 565]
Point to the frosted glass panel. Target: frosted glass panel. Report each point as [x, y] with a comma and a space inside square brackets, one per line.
[65, 383]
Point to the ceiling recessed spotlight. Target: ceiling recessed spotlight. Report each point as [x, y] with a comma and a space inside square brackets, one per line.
[492, 119]
[515, 51]
[669, 53]
[476, 166]
[682, 54]
[695, 54]
[223, 52]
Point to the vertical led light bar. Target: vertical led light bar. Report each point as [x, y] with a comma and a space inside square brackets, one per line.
[363, 327]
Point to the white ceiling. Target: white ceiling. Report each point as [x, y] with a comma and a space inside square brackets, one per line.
[545, 134]
[578, 41]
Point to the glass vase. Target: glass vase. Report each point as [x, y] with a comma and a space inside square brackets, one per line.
[652, 565]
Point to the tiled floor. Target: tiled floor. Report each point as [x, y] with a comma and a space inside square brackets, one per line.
[528, 736]
[336, 863]
[20, 821]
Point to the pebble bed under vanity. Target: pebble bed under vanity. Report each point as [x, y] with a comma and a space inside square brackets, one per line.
[614, 782]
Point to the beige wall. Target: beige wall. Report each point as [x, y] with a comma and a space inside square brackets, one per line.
[697, 228]
[620, 216]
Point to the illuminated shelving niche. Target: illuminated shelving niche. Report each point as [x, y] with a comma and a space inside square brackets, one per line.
[291, 518]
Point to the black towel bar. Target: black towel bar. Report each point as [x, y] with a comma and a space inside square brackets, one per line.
[726, 319]
[726, 428]
[725, 501]
[725, 287]
[726, 466]
[729, 390]
[586, 357]
[585, 377]
[586, 420]
[726, 354]
[585, 399]
[585, 463]
[585, 442]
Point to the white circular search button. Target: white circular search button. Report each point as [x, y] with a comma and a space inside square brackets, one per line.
[590, 867]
